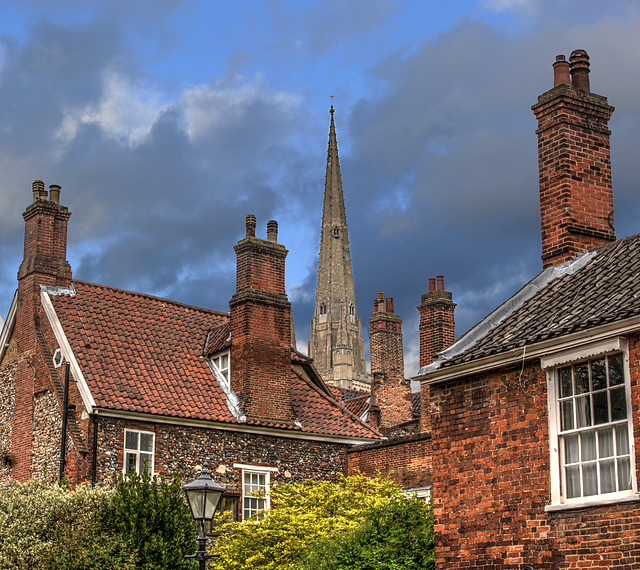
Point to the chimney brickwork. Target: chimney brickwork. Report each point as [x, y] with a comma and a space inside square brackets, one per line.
[44, 263]
[437, 332]
[261, 328]
[390, 392]
[576, 193]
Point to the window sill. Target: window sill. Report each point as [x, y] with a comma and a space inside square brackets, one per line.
[592, 503]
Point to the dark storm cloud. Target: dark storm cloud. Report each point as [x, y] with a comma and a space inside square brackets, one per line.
[441, 177]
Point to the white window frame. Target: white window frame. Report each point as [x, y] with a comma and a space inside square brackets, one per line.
[552, 364]
[217, 362]
[255, 470]
[138, 452]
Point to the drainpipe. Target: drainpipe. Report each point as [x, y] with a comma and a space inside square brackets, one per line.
[94, 458]
[65, 413]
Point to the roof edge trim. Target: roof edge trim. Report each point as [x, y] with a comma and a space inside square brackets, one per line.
[244, 428]
[63, 342]
[538, 350]
[475, 334]
[7, 327]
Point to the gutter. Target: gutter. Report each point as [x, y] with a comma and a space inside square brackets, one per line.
[537, 350]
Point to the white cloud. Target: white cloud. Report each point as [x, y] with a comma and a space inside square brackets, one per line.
[206, 108]
[510, 5]
[126, 111]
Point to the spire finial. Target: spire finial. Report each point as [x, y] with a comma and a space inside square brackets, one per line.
[331, 110]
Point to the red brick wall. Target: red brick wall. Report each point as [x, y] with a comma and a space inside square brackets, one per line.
[491, 480]
[392, 392]
[576, 195]
[407, 461]
[261, 331]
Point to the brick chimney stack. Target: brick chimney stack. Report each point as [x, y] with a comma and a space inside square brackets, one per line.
[44, 263]
[437, 326]
[390, 391]
[576, 194]
[261, 328]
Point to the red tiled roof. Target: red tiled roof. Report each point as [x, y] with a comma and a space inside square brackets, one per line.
[358, 405]
[144, 354]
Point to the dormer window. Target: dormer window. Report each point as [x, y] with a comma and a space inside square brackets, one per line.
[336, 231]
[220, 363]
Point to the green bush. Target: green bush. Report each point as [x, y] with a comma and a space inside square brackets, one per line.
[393, 536]
[314, 521]
[151, 516]
[48, 527]
[139, 523]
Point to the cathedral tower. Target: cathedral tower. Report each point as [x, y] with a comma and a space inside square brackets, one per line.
[336, 344]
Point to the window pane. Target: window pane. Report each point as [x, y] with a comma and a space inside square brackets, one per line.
[131, 440]
[624, 474]
[605, 443]
[600, 408]
[573, 481]
[130, 461]
[622, 440]
[145, 462]
[588, 441]
[583, 411]
[566, 388]
[146, 442]
[571, 450]
[598, 374]
[608, 476]
[616, 374]
[566, 408]
[224, 361]
[618, 404]
[589, 479]
[582, 378]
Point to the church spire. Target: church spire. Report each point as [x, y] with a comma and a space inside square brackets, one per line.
[336, 343]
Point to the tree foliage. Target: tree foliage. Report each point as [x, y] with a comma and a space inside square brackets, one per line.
[308, 518]
[48, 527]
[138, 523]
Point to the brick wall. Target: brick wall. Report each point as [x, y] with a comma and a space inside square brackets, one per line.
[574, 157]
[391, 403]
[184, 449]
[260, 318]
[406, 461]
[492, 482]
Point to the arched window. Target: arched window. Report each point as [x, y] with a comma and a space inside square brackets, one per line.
[336, 231]
[323, 309]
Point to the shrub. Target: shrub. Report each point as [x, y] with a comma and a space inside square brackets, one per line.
[151, 516]
[48, 527]
[309, 517]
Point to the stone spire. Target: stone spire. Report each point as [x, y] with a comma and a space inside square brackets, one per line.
[336, 343]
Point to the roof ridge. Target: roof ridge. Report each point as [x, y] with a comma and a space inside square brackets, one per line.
[340, 407]
[153, 297]
[512, 304]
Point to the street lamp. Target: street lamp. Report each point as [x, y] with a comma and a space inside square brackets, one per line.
[203, 496]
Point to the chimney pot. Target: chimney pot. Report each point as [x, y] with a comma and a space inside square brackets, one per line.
[39, 193]
[561, 71]
[579, 64]
[390, 305]
[440, 283]
[432, 284]
[54, 193]
[272, 231]
[251, 225]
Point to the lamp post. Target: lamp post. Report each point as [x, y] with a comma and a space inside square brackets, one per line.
[203, 496]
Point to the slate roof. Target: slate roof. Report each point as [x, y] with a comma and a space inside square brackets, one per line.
[604, 290]
[140, 353]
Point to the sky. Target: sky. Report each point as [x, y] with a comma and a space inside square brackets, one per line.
[166, 122]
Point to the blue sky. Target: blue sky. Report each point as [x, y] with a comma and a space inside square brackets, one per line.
[166, 122]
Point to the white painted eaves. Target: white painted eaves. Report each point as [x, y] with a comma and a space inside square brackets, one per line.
[45, 295]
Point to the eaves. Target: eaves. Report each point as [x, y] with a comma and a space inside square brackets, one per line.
[527, 352]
